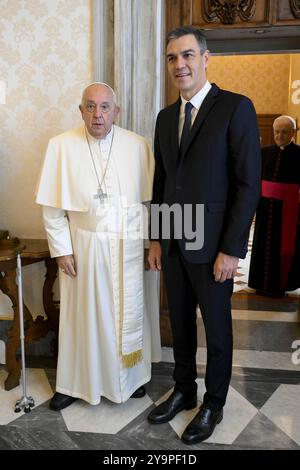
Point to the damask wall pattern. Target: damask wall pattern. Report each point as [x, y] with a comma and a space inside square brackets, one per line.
[45, 61]
[294, 101]
[263, 78]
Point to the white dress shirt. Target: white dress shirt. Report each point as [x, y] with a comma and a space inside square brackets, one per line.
[196, 101]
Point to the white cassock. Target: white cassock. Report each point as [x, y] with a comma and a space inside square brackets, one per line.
[109, 313]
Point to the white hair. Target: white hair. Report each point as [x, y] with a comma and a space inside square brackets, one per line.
[289, 118]
[103, 84]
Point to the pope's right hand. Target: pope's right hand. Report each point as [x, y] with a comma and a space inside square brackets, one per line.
[67, 264]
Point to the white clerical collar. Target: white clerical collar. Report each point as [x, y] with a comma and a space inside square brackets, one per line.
[198, 98]
[284, 146]
[107, 139]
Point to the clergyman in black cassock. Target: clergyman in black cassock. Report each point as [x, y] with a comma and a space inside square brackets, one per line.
[275, 260]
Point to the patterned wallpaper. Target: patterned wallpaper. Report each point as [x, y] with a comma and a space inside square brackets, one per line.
[263, 78]
[294, 95]
[45, 61]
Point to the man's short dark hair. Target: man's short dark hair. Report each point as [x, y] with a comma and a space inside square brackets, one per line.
[183, 31]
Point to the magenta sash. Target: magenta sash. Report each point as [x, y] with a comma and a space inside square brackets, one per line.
[289, 195]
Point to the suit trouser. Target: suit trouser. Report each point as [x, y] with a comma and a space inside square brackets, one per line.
[187, 285]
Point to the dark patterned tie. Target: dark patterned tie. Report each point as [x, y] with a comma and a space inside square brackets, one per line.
[186, 127]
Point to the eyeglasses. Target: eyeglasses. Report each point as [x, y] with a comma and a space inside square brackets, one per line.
[104, 107]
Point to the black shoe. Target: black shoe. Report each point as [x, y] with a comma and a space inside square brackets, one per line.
[176, 402]
[59, 401]
[202, 426]
[139, 393]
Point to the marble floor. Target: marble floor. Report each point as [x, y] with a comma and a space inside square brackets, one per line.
[262, 411]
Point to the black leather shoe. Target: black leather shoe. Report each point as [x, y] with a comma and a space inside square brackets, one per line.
[59, 401]
[139, 393]
[202, 426]
[176, 402]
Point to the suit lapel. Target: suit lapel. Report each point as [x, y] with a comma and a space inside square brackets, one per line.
[206, 106]
[174, 121]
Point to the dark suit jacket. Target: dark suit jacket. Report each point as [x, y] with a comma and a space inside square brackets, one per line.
[220, 168]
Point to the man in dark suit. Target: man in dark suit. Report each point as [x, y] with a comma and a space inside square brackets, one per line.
[207, 153]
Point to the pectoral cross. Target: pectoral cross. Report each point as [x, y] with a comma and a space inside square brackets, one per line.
[100, 194]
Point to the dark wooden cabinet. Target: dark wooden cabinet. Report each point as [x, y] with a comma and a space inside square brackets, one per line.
[244, 13]
[220, 14]
[286, 12]
[216, 14]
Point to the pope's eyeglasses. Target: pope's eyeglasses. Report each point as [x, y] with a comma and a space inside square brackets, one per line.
[104, 107]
